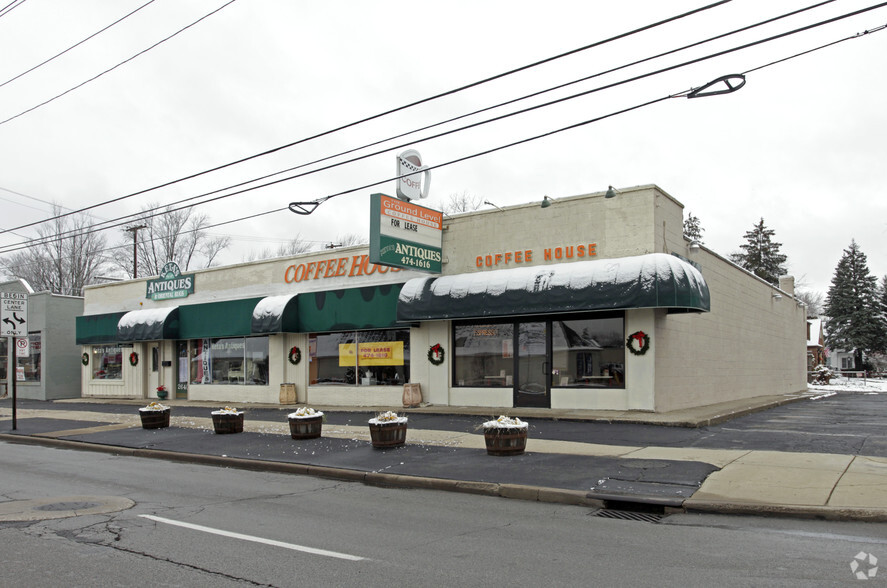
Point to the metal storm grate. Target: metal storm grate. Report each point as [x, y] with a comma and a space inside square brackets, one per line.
[628, 515]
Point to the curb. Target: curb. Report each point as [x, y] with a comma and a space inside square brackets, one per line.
[826, 513]
[382, 480]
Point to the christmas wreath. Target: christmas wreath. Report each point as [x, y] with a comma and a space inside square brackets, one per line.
[295, 356]
[84, 359]
[436, 354]
[643, 341]
[133, 359]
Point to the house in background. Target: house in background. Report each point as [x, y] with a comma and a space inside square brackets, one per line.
[816, 354]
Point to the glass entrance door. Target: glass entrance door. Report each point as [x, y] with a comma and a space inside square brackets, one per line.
[182, 369]
[533, 381]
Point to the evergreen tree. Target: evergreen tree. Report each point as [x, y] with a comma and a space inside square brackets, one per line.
[693, 228]
[760, 255]
[856, 320]
[884, 296]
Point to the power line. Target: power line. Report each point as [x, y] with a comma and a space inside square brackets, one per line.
[12, 79]
[352, 160]
[526, 140]
[10, 7]
[125, 61]
[693, 61]
[387, 112]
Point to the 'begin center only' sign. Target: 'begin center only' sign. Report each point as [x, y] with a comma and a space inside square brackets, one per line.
[13, 314]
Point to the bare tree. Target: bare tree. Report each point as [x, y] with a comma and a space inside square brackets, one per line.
[463, 202]
[349, 239]
[171, 235]
[294, 246]
[813, 301]
[65, 258]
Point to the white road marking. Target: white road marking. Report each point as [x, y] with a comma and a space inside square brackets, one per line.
[254, 539]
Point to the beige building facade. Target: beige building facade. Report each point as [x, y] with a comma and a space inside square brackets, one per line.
[589, 303]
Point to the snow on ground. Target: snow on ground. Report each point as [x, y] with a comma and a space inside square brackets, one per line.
[857, 385]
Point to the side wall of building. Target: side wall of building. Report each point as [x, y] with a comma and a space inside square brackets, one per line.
[61, 354]
[750, 344]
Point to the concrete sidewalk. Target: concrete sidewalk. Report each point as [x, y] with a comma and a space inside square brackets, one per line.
[445, 450]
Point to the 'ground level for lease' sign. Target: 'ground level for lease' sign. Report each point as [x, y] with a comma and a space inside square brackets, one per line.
[404, 235]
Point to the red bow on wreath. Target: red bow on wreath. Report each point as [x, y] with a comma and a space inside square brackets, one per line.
[436, 349]
[640, 338]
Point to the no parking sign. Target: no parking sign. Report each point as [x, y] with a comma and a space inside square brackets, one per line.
[22, 347]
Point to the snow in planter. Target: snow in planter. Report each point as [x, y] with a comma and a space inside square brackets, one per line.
[387, 418]
[304, 413]
[154, 406]
[504, 422]
[227, 410]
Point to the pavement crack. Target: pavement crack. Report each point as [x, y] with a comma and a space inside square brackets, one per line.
[185, 565]
[838, 481]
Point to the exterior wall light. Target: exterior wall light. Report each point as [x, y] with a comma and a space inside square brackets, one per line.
[611, 192]
[487, 202]
[694, 246]
[777, 297]
[546, 201]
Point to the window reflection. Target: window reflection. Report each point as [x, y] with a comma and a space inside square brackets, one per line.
[484, 354]
[362, 358]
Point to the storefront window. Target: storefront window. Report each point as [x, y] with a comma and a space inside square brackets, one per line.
[107, 363]
[484, 354]
[30, 365]
[235, 360]
[586, 352]
[362, 358]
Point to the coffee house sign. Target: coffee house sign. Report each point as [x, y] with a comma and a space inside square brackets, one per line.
[171, 284]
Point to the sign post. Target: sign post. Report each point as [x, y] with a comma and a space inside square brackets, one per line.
[13, 323]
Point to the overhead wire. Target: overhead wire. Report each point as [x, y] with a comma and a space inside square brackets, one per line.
[10, 7]
[125, 61]
[166, 207]
[57, 55]
[576, 125]
[390, 111]
[522, 141]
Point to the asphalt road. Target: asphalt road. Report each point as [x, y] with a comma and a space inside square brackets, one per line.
[193, 525]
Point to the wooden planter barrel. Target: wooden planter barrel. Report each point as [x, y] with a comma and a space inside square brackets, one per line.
[224, 424]
[505, 440]
[388, 434]
[306, 427]
[154, 419]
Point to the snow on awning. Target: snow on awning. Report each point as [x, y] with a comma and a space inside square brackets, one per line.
[276, 314]
[153, 324]
[655, 280]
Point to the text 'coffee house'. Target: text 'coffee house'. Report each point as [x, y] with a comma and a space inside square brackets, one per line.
[589, 302]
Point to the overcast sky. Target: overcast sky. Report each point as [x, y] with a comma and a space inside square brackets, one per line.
[801, 145]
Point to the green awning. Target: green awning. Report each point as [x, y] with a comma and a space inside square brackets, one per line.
[96, 328]
[150, 324]
[370, 307]
[229, 318]
[276, 314]
[655, 280]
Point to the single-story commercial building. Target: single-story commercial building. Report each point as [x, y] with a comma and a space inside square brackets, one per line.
[588, 302]
[46, 365]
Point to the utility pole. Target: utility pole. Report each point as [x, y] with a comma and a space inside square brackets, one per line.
[135, 251]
